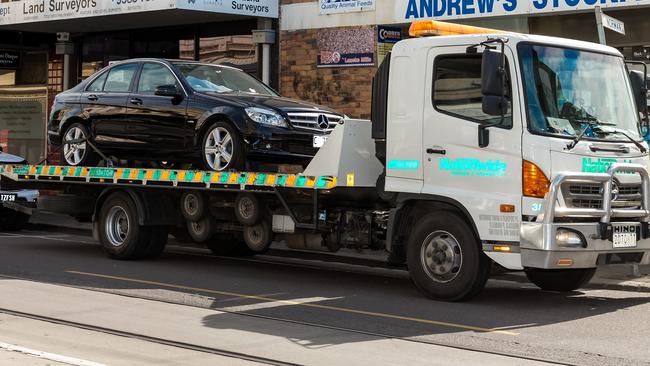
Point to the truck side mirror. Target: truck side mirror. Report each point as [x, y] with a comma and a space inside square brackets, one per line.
[637, 79]
[493, 83]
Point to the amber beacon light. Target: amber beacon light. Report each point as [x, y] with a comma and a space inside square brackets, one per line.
[425, 28]
[535, 183]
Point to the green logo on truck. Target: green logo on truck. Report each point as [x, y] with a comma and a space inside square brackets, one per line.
[599, 165]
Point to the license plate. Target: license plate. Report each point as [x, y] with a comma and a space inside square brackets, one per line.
[7, 197]
[319, 141]
[624, 236]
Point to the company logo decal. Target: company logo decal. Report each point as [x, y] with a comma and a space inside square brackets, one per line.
[323, 121]
[473, 167]
[599, 165]
[404, 164]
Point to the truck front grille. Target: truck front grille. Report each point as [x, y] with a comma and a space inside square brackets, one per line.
[590, 196]
[312, 121]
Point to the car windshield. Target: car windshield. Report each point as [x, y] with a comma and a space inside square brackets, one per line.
[571, 93]
[217, 79]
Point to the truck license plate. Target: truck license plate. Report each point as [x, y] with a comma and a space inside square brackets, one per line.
[7, 197]
[319, 141]
[624, 236]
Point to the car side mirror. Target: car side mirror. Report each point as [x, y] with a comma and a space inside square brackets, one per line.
[168, 91]
[637, 79]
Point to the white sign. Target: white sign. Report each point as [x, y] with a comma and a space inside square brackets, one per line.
[30, 11]
[613, 24]
[345, 6]
[410, 10]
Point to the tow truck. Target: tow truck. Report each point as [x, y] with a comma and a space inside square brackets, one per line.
[485, 148]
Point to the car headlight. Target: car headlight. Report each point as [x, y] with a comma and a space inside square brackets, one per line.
[266, 117]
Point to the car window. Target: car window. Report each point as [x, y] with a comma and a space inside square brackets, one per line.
[98, 84]
[457, 89]
[119, 78]
[153, 76]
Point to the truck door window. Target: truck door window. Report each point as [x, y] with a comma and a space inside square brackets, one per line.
[457, 89]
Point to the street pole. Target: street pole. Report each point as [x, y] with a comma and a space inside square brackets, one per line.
[599, 25]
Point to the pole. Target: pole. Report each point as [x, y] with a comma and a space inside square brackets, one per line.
[266, 63]
[599, 25]
[67, 70]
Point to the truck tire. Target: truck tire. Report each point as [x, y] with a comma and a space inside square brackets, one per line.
[157, 243]
[444, 258]
[120, 235]
[202, 230]
[193, 205]
[224, 244]
[247, 209]
[563, 280]
[11, 220]
[258, 238]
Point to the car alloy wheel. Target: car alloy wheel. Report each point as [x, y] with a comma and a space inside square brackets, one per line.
[219, 149]
[74, 153]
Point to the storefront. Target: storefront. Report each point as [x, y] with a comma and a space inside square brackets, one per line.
[317, 38]
[54, 44]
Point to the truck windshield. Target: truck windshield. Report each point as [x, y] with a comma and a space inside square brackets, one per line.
[571, 92]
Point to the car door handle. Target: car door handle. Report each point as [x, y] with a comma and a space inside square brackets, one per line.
[92, 97]
[436, 150]
[136, 101]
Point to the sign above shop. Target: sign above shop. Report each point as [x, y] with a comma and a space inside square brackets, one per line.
[613, 24]
[9, 59]
[345, 6]
[348, 47]
[410, 10]
[30, 11]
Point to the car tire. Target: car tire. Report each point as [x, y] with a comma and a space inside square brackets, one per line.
[444, 258]
[77, 154]
[12, 220]
[562, 280]
[220, 141]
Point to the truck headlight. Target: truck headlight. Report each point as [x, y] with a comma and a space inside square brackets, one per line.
[266, 117]
[569, 239]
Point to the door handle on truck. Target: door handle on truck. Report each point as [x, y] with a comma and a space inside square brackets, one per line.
[436, 150]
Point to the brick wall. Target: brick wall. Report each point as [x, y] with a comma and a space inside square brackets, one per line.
[347, 90]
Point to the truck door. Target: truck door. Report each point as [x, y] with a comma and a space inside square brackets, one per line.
[480, 179]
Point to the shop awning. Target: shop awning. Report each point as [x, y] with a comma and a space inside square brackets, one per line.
[104, 15]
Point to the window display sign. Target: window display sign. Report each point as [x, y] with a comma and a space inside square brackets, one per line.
[386, 39]
[347, 47]
[30, 11]
[409, 10]
[9, 59]
[23, 113]
[345, 6]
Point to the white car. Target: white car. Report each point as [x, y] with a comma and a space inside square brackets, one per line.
[16, 206]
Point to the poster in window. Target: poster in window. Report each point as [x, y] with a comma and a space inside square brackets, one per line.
[386, 39]
[346, 47]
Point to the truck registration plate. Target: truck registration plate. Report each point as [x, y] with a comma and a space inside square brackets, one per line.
[7, 197]
[624, 236]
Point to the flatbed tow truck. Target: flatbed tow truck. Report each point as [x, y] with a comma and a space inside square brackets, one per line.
[485, 147]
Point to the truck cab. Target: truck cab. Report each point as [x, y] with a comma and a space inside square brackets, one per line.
[534, 141]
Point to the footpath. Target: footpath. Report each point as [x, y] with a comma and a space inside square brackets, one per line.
[619, 277]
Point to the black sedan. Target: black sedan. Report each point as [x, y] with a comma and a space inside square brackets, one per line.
[184, 112]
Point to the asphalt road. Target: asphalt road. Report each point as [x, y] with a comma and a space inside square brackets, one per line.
[189, 307]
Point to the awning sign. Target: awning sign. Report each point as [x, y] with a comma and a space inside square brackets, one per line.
[31, 11]
[9, 59]
[613, 24]
[410, 10]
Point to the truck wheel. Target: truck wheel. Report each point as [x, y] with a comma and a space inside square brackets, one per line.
[201, 230]
[78, 154]
[222, 148]
[193, 205]
[258, 237]
[445, 260]
[563, 280]
[247, 209]
[157, 243]
[222, 244]
[13, 221]
[120, 234]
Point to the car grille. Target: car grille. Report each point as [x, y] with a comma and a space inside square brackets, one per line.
[310, 121]
[589, 196]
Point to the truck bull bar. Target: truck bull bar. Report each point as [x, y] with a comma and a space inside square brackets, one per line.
[539, 247]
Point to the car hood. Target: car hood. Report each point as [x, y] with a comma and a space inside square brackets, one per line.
[273, 102]
[10, 159]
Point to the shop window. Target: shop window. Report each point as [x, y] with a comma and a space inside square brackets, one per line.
[238, 51]
[33, 69]
[7, 77]
[457, 88]
[153, 76]
[186, 49]
[119, 78]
